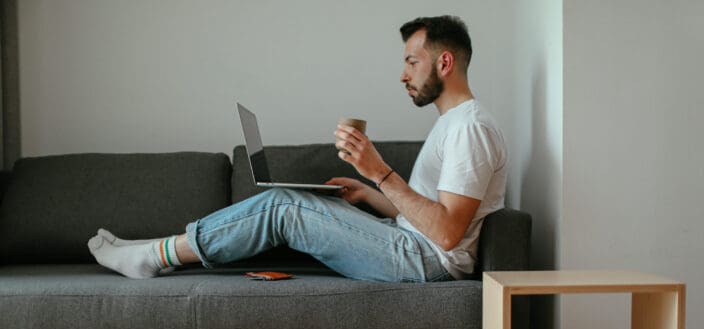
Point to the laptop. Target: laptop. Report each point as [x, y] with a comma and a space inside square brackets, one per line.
[257, 159]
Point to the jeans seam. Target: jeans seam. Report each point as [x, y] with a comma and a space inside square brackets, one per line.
[255, 212]
[212, 228]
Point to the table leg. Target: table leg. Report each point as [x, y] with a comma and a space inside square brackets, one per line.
[658, 310]
[496, 305]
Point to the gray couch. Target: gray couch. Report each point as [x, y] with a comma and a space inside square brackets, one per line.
[52, 205]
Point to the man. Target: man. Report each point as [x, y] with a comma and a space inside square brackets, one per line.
[434, 220]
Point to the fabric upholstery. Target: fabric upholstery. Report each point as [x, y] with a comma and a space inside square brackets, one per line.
[88, 296]
[504, 242]
[54, 204]
[5, 179]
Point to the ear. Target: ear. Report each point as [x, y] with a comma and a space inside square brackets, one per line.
[445, 63]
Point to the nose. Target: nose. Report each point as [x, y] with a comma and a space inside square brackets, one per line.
[404, 76]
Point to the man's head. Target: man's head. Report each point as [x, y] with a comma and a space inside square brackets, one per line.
[436, 47]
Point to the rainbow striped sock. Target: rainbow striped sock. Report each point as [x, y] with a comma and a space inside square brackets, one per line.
[166, 252]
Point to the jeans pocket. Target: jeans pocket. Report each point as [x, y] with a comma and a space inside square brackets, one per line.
[434, 270]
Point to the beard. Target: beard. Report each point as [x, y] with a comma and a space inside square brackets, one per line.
[430, 91]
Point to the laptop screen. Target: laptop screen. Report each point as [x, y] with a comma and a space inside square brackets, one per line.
[254, 145]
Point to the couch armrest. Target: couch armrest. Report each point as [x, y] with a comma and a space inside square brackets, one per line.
[5, 180]
[504, 241]
[504, 245]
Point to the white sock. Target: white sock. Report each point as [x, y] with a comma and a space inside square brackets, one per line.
[117, 242]
[137, 261]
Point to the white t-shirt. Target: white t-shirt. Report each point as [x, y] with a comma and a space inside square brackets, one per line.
[463, 154]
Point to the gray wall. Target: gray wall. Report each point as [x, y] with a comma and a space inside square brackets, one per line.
[158, 76]
[633, 173]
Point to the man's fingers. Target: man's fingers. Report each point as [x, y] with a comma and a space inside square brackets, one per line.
[349, 132]
[342, 155]
[342, 144]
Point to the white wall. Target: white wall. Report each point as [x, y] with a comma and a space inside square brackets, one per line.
[157, 76]
[154, 76]
[538, 66]
[633, 157]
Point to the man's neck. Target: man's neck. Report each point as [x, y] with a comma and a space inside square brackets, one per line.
[450, 101]
[451, 97]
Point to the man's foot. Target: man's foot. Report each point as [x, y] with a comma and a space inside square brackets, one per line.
[139, 261]
[117, 242]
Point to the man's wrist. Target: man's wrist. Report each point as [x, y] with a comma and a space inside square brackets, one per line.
[384, 178]
[379, 173]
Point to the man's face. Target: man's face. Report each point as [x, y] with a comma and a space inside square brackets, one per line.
[420, 74]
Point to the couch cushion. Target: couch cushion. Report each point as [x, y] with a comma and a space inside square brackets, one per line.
[49, 296]
[54, 204]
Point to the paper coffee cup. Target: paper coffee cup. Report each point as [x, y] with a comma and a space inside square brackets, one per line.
[359, 124]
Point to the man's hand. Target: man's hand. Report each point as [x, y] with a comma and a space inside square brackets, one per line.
[353, 191]
[363, 155]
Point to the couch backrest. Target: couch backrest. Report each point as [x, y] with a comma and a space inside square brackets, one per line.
[54, 204]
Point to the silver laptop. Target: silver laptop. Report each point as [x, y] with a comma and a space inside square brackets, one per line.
[257, 159]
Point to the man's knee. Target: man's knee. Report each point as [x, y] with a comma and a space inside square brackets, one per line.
[279, 194]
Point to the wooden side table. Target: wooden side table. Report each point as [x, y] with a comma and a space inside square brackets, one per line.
[657, 302]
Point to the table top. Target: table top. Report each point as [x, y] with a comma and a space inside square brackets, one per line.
[554, 282]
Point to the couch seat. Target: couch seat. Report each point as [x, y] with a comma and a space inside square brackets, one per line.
[40, 296]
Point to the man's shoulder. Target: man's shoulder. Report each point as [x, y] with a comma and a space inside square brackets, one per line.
[477, 120]
[471, 113]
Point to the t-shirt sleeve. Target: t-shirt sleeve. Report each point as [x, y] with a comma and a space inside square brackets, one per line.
[468, 160]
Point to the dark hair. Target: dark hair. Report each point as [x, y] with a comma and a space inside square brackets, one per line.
[442, 32]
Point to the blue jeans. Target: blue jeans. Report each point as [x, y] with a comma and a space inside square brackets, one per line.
[346, 239]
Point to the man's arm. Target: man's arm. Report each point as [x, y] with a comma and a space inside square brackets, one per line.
[382, 204]
[444, 221]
